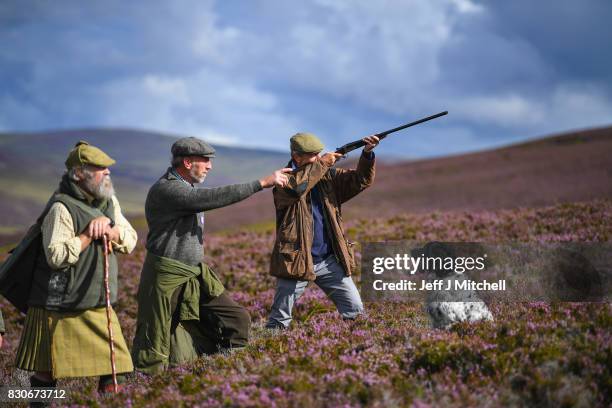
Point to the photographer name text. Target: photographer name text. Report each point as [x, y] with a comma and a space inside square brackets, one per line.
[439, 285]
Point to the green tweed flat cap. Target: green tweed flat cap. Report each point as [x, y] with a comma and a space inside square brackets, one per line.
[83, 153]
[192, 146]
[306, 143]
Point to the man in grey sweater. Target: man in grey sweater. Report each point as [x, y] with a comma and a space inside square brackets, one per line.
[184, 310]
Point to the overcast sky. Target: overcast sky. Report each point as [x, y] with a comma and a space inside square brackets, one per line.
[252, 73]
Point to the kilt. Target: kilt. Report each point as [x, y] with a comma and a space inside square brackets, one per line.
[71, 344]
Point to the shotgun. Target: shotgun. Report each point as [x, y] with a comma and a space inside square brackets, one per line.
[349, 147]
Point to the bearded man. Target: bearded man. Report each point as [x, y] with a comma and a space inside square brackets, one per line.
[183, 308]
[65, 330]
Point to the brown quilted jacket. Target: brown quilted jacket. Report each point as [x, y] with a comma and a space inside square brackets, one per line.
[291, 255]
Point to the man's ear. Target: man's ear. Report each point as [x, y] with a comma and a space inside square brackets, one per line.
[78, 173]
[187, 163]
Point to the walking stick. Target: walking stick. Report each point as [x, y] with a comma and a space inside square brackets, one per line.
[111, 340]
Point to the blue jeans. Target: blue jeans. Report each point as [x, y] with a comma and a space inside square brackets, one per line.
[331, 278]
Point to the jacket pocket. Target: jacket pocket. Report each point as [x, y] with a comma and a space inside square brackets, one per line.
[290, 261]
[288, 231]
[288, 251]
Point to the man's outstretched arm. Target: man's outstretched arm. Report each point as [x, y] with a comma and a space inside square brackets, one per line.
[184, 198]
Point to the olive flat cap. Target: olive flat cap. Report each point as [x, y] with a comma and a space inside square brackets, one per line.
[192, 146]
[306, 143]
[83, 153]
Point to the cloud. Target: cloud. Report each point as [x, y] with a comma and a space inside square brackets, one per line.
[196, 105]
[502, 110]
[578, 105]
[466, 6]
[11, 107]
[378, 56]
[256, 72]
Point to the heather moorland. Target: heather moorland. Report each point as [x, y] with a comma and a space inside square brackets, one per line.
[533, 354]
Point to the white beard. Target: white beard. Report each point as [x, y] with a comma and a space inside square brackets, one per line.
[104, 190]
[193, 176]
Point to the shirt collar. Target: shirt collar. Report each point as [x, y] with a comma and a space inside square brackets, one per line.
[178, 176]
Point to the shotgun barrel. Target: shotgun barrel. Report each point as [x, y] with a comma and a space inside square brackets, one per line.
[349, 147]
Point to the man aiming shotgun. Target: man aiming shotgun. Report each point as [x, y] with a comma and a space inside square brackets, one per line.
[311, 245]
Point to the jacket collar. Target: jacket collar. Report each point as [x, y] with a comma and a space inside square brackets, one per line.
[69, 187]
[172, 174]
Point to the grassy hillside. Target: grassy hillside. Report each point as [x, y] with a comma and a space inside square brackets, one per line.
[533, 354]
[571, 167]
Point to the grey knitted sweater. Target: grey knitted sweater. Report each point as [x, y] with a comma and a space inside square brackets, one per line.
[175, 214]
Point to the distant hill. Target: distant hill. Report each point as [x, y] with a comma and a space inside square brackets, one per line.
[569, 167]
[31, 165]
